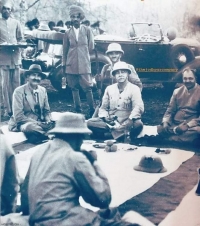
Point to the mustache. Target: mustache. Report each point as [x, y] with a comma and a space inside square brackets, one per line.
[36, 80]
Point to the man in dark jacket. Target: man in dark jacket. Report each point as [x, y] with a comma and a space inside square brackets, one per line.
[78, 41]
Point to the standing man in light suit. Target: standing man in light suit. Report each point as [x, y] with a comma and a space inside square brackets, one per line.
[78, 42]
[10, 59]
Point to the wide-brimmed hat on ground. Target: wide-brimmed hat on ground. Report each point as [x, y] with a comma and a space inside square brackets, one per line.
[74, 9]
[150, 164]
[70, 122]
[121, 66]
[35, 68]
[114, 47]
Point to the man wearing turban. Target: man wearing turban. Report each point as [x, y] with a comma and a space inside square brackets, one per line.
[78, 42]
[10, 59]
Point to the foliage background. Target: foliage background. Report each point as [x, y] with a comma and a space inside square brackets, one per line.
[116, 16]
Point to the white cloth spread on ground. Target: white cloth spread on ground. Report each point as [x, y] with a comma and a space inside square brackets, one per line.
[19, 137]
[124, 181]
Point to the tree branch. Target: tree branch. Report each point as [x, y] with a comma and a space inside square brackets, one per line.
[32, 4]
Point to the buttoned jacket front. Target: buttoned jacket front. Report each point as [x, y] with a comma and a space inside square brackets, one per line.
[124, 105]
[76, 55]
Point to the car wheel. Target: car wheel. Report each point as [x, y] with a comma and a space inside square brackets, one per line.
[180, 55]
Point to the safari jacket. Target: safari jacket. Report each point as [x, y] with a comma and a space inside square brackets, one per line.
[127, 104]
[76, 55]
[57, 177]
[23, 106]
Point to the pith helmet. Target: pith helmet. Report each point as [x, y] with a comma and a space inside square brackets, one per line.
[120, 66]
[151, 164]
[114, 47]
[71, 123]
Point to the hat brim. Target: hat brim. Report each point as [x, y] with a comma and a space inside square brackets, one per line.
[72, 131]
[129, 71]
[142, 169]
[110, 51]
[27, 72]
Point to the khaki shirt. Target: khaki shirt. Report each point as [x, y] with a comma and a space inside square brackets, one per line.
[124, 105]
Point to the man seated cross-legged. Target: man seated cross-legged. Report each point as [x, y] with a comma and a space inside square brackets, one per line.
[181, 121]
[121, 108]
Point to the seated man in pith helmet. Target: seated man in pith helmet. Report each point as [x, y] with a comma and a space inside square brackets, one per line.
[31, 112]
[121, 108]
[59, 173]
[181, 121]
[115, 52]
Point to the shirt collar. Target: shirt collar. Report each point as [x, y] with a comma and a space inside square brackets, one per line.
[33, 90]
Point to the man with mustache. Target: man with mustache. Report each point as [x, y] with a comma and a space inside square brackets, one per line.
[10, 59]
[115, 52]
[78, 41]
[121, 109]
[31, 112]
[181, 121]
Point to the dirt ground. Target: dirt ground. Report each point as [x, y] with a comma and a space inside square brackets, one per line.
[155, 97]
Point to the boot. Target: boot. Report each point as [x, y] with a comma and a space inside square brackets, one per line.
[90, 101]
[77, 101]
[198, 186]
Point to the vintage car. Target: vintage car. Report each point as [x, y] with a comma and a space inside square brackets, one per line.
[156, 58]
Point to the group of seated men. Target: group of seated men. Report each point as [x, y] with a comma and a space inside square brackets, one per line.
[120, 111]
[51, 190]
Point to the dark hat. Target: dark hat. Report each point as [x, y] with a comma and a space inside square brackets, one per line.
[71, 123]
[150, 164]
[35, 68]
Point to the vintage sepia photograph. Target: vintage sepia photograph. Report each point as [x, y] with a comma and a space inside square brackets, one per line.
[100, 112]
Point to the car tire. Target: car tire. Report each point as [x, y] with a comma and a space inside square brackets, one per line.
[180, 55]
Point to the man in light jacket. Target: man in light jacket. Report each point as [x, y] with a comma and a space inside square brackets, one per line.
[121, 107]
[10, 56]
[31, 111]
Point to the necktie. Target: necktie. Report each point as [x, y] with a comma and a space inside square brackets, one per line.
[37, 106]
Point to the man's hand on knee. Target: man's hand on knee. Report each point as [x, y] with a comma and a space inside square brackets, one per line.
[166, 127]
[182, 128]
